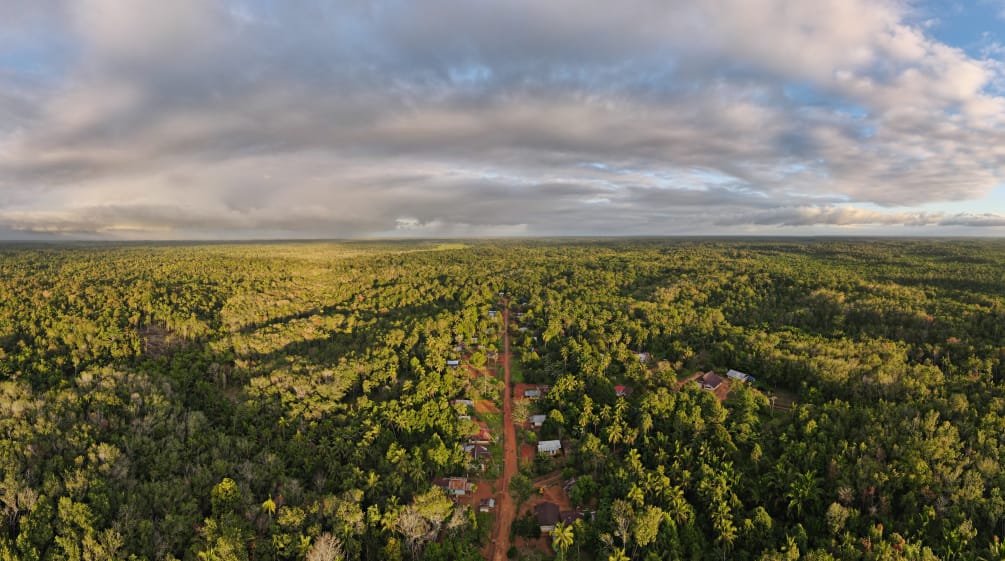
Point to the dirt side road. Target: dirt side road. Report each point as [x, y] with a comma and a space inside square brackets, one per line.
[505, 509]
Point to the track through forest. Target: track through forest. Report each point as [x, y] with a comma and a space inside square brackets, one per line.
[505, 509]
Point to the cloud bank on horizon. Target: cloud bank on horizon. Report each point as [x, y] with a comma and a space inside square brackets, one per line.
[264, 118]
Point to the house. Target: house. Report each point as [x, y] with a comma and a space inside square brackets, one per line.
[477, 452]
[483, 436]
[547, 516]
[455, 486]
[532, 394]
[453, 363]
[549, 447]
[537, 420]
[622, 391]
[465, 402]
[522, 329]
[487, 505]
[569, 517]
[492, 313]
[464, 417]
[643, 357]
[737, 375]
[710, 381]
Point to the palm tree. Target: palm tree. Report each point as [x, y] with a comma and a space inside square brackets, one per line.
[618, 555]
[803, 492]
[615, 434]
[561, 539]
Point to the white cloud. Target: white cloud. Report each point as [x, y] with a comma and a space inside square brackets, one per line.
[459, 118]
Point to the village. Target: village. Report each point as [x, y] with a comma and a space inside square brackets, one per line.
[542, 488]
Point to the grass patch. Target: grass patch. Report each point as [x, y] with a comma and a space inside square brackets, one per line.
[516, 371]
[494, 420]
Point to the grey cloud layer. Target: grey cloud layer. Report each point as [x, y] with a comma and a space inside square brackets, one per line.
[448, 117]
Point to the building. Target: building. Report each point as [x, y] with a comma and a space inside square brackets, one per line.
[547, 516]
[537, 420]
[710, 381]
[532, 394]
[492, 313]
[455, 486]
[622, 391]
[453, 363]
[477, 452]
[549, 447]
[483, 437]
[487, 505]
[464, 402]
[569, 517]
[480, 455]
[737, 375]
[643, 357]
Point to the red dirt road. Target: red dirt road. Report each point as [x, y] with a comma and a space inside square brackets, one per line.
[505, 509]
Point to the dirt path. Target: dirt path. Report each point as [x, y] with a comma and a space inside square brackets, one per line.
[505, 509]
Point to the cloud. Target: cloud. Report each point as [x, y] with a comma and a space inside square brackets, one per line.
[196, 119]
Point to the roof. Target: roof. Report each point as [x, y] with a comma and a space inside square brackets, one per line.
[549, 445]
[737, 374]
[453, 362]
[547, 514]
[710, 379]
[532, 393]
[570, 516]
[483, 434]
[477, 451]
[490, 503]
[453, 483]
[538, 419]
[620, 390]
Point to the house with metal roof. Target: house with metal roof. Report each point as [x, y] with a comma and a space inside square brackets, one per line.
[549, 447]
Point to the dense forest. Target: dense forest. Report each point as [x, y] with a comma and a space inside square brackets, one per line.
[292, 401]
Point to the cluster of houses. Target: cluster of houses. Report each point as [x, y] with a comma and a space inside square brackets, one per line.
[546, 447]
[711, 381]
[478, 443]
[457, 487]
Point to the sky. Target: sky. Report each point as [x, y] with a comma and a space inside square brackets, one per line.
[246, 119]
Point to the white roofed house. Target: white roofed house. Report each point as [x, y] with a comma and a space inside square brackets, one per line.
[737, 375]
[538, 420]
[549, 447]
